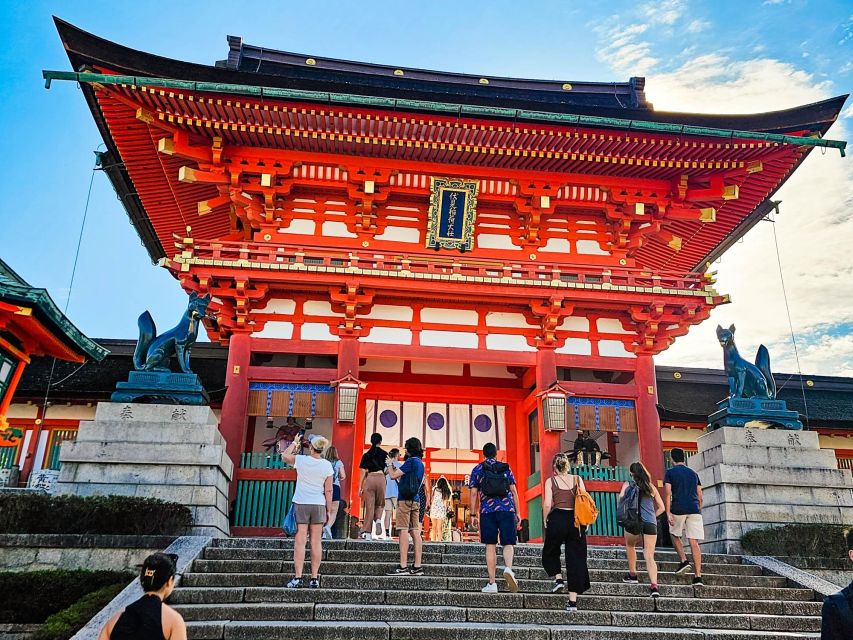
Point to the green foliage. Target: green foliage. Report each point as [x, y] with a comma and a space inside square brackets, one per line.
[31, 596]
[122, 515]
[798, 541]
[64, 624]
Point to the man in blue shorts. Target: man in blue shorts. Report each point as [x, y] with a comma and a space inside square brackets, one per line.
[495, 503]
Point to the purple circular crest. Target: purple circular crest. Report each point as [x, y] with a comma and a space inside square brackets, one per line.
[482, 423]
[435, 421]
[388, 418]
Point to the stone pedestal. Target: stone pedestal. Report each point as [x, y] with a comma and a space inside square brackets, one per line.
[755, 478]
[170, 452]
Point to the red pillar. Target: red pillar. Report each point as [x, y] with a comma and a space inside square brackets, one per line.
[28, 457]
[344, 433]
[648, 421]
[233, 420]
[549, 441]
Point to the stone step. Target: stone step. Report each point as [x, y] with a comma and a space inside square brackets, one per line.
[640, 601]
[404, 613]
[455, 570]
[433, 583]
[344, 555]
[320, 630]
[466, 548]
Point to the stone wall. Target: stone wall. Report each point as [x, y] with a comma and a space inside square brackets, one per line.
[32, 552]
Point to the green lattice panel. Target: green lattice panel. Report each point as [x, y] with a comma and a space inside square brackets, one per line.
[262, 503]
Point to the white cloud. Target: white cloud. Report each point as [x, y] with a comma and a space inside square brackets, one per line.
[695, 26]
[814, 230]
[664, 12]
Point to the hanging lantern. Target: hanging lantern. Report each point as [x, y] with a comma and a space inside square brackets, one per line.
[553, 401]
[347, 397]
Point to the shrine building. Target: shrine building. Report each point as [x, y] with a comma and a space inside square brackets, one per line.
[455, 257]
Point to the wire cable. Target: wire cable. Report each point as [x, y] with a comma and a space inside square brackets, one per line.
[788, 312]
[70, 289]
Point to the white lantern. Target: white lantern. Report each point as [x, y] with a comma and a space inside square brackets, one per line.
[347, 397]
[554, 408]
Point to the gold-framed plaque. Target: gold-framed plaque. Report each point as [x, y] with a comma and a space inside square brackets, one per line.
[452, 213]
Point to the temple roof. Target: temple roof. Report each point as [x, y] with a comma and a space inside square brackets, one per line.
[292, 101]
[16, 291]
[695, 394]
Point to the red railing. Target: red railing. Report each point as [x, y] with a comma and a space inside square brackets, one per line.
[438, 267]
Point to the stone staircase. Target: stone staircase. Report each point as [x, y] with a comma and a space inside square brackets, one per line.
[234, 591]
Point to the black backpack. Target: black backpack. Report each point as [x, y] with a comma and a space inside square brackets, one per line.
[409, 485]
[628, 510]
[495, 482]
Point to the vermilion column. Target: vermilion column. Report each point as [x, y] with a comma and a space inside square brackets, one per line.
[648, 421]
[549, 441]
[233, 420]
[343, 433]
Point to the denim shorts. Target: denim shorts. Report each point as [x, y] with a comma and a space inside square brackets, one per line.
[499, 522]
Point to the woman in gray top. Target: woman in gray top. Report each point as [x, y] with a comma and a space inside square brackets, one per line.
[651, 506]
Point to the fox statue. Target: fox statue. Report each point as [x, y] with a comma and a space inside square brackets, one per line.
[746, 380]
[153, 352]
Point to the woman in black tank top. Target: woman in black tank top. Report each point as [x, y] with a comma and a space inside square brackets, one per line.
[148, 618]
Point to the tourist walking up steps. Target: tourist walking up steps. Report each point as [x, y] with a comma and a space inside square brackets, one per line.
[495, 505]
[372, 489]
[312, 504]
[392, 491]
[683, 503]
[441, 495]
[338, 474]
[641, 493]
[837, 613]
[558, 510]
[410, 478]
[148, 618]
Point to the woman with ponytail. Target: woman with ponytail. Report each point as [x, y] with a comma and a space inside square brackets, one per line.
[650, 507]
[371, 489]
[148, 618]
[558, 510]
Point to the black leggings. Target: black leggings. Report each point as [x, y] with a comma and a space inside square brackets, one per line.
[562, 531]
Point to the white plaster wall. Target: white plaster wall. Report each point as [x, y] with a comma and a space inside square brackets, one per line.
[336, 229]
[275, 329]
[382, 365]
[400, 234]
[388, 335]
[614, 348]
[503, 342]
[301, 227]
[437, 368]
[279, 305]
[576, 346]
[510, 320]
[317, 331]
[74, 412]
[835, 442]
[495, 241]
[449, 339]
[491, 371]
[575, 323]
[590, 247]
[558, 245]
[23, 411]
[390, 312]
[628, 450]
[687, 436]
[610, 325]
[449, 316]
[320, 308]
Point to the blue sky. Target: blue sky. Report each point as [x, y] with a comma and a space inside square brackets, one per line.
[712, 56]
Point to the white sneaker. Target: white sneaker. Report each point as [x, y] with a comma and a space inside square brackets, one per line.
[511, 582]
[492, 587]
